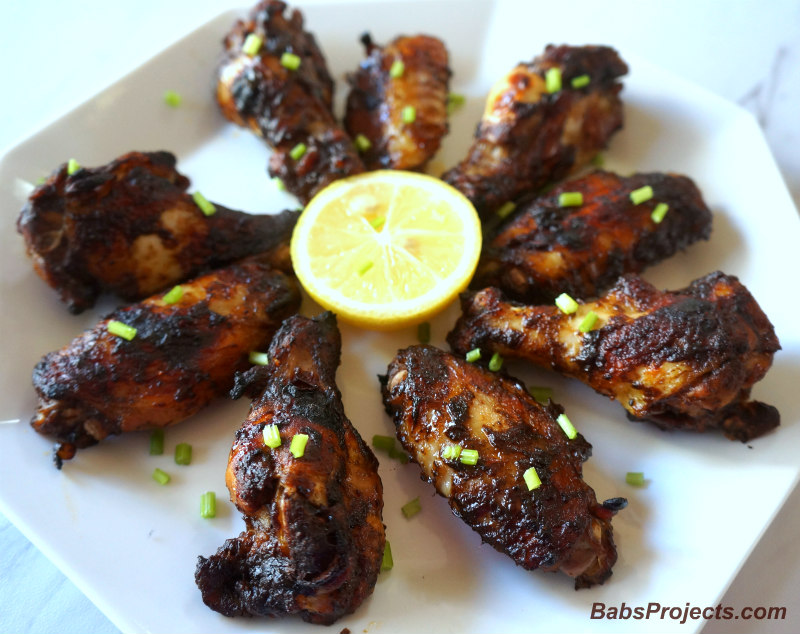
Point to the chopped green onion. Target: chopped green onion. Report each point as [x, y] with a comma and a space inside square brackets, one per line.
[424, 332]
[174, 296]
[532, 479]
[279, 184]
[598, 160]
[506, 210]
[541, 394]
[659, 212]
[383, 442]
[552, 79]
[397, 69]
[72, 166]
[252, 44]
[496, 362]
[41, 180]
[202, 202]
[643, 194]
[580, 81]
[469, 456]
[160, 476]
[566, 424]
[290, 61]
[172, 98]
[183, 453]
[121, 330]
[387, 563]
[365, 267]
[362, 143]
[410, 509]
[473, 355]
[156, 442]
[377, 222]
[566, 304]
[399, 455]
[588, 322]
[297, 151]
[454, 102]
[409, 114]
[570, 199]
[208, 505]
[634, 478]
[451, 452]
[272, 437]
[258, 358]
[298, 445]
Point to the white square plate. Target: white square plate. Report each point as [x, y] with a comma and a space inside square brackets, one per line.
[131, 545]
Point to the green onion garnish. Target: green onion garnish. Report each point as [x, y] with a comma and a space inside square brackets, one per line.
[383, 442]
[410, 509]
[252, 44]
[387, 563]
[72, 166]
[290, 61]
[174, 296]
[156, 442]
[121, 330]
[258, 358]
[598, 160]
[473, 355]
[41, 180]
[552, 79]
[362, 143]
[365, 267]
[634, 478]
[566, 304]
[424, 332]
[279, 184]
[208, 505]
[532, 479]
[272, 437]
[397, 69]
[496, 362]
[506, 210]
[588, 322]
[377, 222]
[566, 424]
[297, 151]
[570, 199]
[454, 102]
[409, 114]
[541, 394]
[202, 202]
[580, 81]
[160, 476]
[298, 445]
[659, 212]
[399, 455]
[183, 453]
[451, 452]
[469, 456]
[643, 194]
[172, 98]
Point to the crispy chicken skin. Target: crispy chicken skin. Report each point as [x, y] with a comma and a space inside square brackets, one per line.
[528, 137]
[546, 250]
[683, 359]
[286, 107]
[129, 228]
[182, 356]
[377, 101]
[437, 399]
[314, 536]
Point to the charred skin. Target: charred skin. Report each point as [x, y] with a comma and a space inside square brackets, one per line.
[437, 399]
[683, 359]
[129, 228]
[376, 102]
[528, 138]
[546, 250]
[314, 536]
[182, 356]
[286, 107]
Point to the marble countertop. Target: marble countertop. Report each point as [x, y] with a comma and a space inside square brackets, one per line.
[747, 51]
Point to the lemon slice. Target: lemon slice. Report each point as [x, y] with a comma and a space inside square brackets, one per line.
[386, 249]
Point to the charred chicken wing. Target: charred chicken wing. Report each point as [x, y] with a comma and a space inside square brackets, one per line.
[398, 102]
[129, 228]
[548, 249]
[273, 80]
[439, 401]
[314, 537]
[169, 360]
[683, 359]
[538, 129]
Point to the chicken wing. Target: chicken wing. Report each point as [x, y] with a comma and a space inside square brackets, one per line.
[129, 228]
[314, 536]
[547, 249]
[398, 101]
[284, 93]
[529, 137]
[180, 357]
[683, 359]
[439, 400]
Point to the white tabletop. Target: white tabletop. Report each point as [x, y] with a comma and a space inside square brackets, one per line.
[57, 54]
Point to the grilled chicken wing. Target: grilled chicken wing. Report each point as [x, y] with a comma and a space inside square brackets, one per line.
[546, 249]
[182, 356]
[437, 399]
[130, 228]
[314, 537]
[289, 107]
[380, 101]
[529, 137]
[683, 359]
